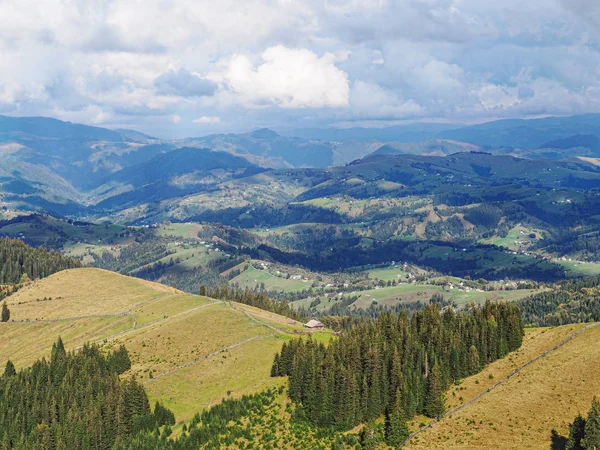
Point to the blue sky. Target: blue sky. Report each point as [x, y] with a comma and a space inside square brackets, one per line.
[183, 68]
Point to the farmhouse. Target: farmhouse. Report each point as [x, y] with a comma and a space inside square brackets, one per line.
[314, 324]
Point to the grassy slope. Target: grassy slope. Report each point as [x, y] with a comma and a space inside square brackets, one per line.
[251, 277]
[83, 292]
[198, 350]
[521, 413]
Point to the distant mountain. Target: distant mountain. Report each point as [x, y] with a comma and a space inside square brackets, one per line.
[269, 149]
[24, 128]
[65, 168]
[400, 133]
[586, 141]
[183, 161]
[525, 133]
[174, 174]
[433, 147]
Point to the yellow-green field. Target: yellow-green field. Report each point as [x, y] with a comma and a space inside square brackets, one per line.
[408, 293]
[251, 277]
[189, 351]
[82, 292]
[521, 412]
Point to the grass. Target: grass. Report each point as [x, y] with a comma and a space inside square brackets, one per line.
[24, 343]
[168, 306]
[173, 329]
[522, 412]
[579, 269]
[251, 277]
[171, 343]
[406, 293]
[82, 292]
[517, 238]
[201, 385]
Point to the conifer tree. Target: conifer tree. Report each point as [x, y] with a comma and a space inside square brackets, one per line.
[396, 430]
[275, 367]
[591, 438]
[576, 433]
[9, 370]
[434, 399]
[5, 312]
[474, 364]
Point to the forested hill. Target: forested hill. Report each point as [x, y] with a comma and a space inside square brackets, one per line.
[17, 259]
[397, 366]
[73, 401]
[572, 301]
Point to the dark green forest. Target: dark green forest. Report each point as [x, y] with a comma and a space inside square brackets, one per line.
[584, 432]
[18, 259]
[74, 401]
[572, 301]
[395, 362]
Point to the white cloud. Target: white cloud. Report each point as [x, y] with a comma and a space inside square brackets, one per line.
[286, 77]
[283, 63]
[372, 101]
[207, 120]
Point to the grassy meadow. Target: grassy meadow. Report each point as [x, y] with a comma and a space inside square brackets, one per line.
[521, 413]
[189, 351]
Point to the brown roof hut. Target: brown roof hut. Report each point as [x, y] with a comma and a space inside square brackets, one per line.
[314, 325]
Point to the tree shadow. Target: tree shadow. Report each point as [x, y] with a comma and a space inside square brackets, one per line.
[558, 442]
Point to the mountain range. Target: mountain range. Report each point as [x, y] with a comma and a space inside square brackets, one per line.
[66, 169]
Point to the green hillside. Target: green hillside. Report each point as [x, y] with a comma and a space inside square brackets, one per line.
[188, 351]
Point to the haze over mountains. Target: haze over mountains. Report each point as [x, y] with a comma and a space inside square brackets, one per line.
[66, 168]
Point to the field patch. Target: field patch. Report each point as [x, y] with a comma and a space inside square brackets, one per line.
[521, 412]
[25, 342]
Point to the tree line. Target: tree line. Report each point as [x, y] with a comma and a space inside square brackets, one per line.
[584, 432]
[397, 366]
[75, 400]
[571, 301]
[18, 259]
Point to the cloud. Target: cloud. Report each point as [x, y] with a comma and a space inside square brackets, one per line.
[586, 10]
[207, 120]
[182, 83]
[269, 63]
[285, 77]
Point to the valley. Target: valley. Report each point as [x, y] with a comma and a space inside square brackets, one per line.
[432, 270]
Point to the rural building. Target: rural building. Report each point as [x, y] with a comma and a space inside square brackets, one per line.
[314, 324]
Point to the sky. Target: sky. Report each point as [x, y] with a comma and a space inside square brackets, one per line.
[175, 68]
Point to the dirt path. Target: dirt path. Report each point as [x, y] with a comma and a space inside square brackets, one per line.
[136, 328]
[251, 317]
[210, 355]
[499, 382]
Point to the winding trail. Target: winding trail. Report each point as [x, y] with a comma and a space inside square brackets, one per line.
[210, 355]
[135, 327]
[251, 317]
[499, 382]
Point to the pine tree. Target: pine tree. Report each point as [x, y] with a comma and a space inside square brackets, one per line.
[369, 436]
[576, 433]
[434, 398]
[474, 364]
[202, 290]
[591, 438]
[396, 429]
[275, 367]
[9, 370]
[5, 312]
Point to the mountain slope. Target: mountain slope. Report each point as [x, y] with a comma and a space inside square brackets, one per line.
[268, 146]
[522, 412]
[189, 351]
[525, 133]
